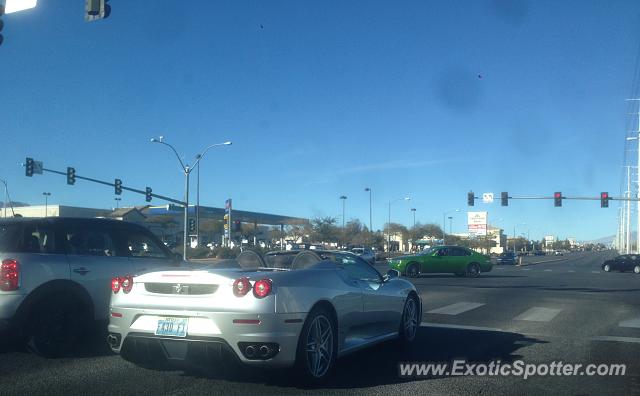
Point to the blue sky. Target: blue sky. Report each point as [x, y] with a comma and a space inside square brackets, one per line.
[323, 99]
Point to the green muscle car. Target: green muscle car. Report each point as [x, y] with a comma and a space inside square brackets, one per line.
[442, 259]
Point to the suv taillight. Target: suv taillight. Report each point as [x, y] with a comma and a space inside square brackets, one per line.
[9, 275]
[116, 284]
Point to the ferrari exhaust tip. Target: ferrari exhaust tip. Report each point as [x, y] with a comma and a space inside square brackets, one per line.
[250, 351]
[264, 351]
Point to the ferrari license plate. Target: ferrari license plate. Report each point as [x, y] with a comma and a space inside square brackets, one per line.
[174, 327]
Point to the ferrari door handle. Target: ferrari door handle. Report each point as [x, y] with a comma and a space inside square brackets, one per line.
[81, 271]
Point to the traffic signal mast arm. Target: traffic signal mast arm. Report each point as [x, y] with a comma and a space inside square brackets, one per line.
[110, 184]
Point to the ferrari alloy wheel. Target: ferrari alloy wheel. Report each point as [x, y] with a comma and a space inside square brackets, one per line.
[607, 268]
[410, 320]
[636, 269]
[317, 349]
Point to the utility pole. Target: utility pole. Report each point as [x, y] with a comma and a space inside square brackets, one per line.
[628, 213]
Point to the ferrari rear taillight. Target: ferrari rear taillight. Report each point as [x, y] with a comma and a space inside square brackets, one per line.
[116, 284]
[262, 288]
[9, 275]
[127, 283]
[241, 287]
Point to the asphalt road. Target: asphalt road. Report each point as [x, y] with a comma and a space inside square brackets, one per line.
[565, 310]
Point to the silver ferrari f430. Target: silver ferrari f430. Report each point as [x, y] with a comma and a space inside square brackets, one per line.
[304, 313]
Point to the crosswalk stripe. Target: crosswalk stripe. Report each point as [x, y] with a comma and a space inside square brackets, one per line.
[457, 308]
[460, 327]
[538, 314]
[630, 323]
[616, 338]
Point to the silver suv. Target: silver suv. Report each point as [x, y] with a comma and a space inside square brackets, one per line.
[55, 275]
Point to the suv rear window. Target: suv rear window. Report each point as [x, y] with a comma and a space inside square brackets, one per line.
[9, 237]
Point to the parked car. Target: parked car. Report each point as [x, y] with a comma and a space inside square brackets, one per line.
[442, 259]
[506, 258]
[365, 253]
[55, 274]
[305, 316]
[558, 253]
[625, 262]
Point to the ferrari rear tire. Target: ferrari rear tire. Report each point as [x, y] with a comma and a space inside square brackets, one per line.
[636, 269]
[410, 320]
[317, 347]
[606, 268]
[413, 270]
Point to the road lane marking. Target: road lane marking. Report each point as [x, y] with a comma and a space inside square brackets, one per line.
[538, 314]
[457, 308]
[459, 327]
[630, 323]
[526, 269]
[595, 272]
[618, 339]
[548, 270]
[571, 271]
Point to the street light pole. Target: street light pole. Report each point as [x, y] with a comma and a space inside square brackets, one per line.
[370, 212]
[444, 224]
[450, 224]
[6, 198]
[187, 171]
[414, 217]
[117, 202]
[389, 222]
[343, 198]
[46, 202]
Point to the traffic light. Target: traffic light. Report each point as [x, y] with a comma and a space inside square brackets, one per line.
[604, 199]
[1, 24]
[192, 225]
[71, 175]
[96, 9]
[557, 199]
[470, 198]
[237, 226]
[28, 167]
[117, 184]
[504, 197]
[148, 195]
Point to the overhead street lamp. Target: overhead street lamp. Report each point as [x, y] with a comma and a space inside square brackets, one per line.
[46, 202]
[186, 169]
[444, 224]
[389, 222]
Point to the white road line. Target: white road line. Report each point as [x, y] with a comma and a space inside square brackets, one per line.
[548, 270]
[526, 269]
[538, 314]
[618, 339]
[630, 323]
[571, 271]
[457, 308]
[595, 272]
[460, 327]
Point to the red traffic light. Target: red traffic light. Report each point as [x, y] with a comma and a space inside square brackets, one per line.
[604, 199]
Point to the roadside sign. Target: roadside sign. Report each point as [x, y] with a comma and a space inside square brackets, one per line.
[487, 197]
[37, 167]
[477, 223]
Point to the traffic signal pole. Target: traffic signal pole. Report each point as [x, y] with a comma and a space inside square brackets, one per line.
[186, 212]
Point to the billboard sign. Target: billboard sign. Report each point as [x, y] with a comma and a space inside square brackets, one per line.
[477, 223]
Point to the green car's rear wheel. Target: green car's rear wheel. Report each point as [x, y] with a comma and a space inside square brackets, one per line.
[473, 270]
